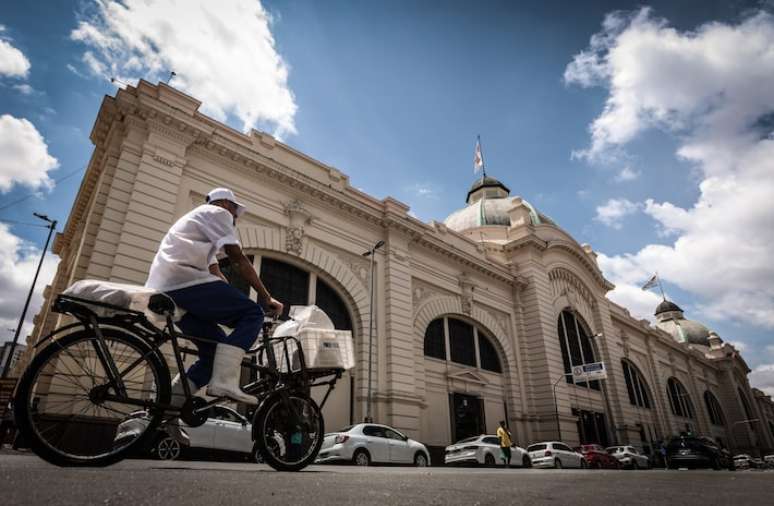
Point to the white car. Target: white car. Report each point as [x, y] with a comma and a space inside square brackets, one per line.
[484, 450]
[224, 431]
[367, 443]
[555, 454]
[629, 457]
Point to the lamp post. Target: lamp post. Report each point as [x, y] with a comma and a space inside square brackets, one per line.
[371, 253]
[51, 228]
[556, 405]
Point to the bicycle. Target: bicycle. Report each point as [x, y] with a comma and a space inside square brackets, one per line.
[101, 387]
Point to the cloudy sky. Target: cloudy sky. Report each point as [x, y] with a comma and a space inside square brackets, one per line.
[645, 130]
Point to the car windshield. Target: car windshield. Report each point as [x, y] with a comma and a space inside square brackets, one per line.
[468, 440]
[534, 448]
[613, 450]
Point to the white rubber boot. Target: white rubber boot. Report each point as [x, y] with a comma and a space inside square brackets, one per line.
[177, 400]
[225, 375]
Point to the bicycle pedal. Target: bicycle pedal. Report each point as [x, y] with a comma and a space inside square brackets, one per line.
[192, 413]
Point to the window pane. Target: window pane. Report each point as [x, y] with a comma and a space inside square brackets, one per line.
[286, 283]
[463, 348]
[629, 385]
[233, 276]
[329, 301]
[435, 344]
[488, 354]
[563, 345]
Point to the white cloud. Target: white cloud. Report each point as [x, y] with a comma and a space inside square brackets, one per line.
[641, 304]
[627, 174]
[424, 190]
[18, 262]
[762, 377]
[739, 345]
[705, 88]
[24, 89]
[24, 157]
[13, 63]
[614, 211]
[223, 54]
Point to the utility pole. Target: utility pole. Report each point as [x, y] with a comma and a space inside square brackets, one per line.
[51, 228]
[371, 253]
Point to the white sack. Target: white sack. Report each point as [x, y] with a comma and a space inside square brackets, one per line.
[301, 318]
[131, 297]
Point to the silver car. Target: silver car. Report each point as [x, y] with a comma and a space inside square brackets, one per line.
[629, 457]
[484, 450]
[366, 443]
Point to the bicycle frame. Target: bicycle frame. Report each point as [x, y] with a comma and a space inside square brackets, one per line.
[272, 380]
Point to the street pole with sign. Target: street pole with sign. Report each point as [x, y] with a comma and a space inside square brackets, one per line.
[371, 253]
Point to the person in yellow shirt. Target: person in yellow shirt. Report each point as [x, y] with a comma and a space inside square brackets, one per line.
[505, 443]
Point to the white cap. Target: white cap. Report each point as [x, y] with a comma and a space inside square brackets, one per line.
[225, 194]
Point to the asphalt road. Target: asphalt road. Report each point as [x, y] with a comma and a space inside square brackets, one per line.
[25, 479]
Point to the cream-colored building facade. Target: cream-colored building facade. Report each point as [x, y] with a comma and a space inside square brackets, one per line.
[477, 319]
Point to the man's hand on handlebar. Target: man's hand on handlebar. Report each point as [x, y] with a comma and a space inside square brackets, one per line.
[274, 307]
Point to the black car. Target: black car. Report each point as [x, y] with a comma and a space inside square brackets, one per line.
[697, 452]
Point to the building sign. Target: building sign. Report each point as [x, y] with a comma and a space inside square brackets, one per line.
[589, 372]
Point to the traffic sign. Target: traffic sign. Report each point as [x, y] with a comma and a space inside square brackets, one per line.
[589, 372]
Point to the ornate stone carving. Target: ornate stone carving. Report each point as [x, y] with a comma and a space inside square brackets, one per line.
[164, 161]
[294, 234]
[466, 297]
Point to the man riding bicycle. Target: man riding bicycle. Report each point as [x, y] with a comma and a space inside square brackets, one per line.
[186, 269]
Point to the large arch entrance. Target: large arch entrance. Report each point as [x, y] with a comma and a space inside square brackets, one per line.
[465, 385]
[295, 283]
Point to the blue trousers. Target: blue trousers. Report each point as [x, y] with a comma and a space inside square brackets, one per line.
[208, 305]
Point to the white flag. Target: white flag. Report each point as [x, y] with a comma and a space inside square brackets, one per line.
[653, 281]
[478, 158]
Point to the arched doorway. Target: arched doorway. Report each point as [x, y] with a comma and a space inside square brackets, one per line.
[465, 358]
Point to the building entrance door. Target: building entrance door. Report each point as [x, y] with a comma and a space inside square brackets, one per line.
[592, 427]
[467, 416]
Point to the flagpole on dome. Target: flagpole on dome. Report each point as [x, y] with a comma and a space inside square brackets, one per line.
[660, 287]
[481, 153]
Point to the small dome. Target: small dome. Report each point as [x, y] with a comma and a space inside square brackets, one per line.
[486, 182]
[670, 319]
[666, 306]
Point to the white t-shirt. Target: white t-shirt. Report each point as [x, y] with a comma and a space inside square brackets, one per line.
[190, 247]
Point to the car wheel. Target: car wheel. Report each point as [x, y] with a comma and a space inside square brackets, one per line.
[526, 462]
[595, 465]
[489, 460]
[168, 448]
[361, 458]
[557, 464]
[583, 464]
[635, 465]
[420, 459]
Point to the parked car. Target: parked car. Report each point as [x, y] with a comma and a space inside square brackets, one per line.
[555, 454]
[629, 457]
[696, 452]
[225, 432]
[597, 458]
[364, 444]
[769, 460]
[743, 461]
[484, 450]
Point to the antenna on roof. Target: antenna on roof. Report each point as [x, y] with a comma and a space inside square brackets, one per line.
[172, 74]
[116, 81]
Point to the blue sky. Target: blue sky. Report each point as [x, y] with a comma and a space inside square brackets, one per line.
[394, 94]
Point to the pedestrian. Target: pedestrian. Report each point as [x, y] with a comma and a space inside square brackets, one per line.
[505, 443]
[663, 451]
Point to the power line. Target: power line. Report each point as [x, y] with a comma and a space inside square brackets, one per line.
[13, 222]
[56, 181]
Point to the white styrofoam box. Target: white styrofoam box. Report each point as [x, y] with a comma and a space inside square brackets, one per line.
[323, 349]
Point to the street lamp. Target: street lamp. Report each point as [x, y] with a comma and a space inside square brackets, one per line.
[556, 405]
[51, 228]
[371, 253]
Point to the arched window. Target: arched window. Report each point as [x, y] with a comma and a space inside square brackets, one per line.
[679, 400]
[713, 408]
[576, 346]
[467, 344]
[286, 283]
[635, 385]
[329, 301]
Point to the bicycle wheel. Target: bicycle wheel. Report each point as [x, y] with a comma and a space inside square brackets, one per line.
[69, 414]
[289, 431]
